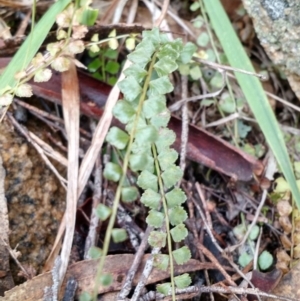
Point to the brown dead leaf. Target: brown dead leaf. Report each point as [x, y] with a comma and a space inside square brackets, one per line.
[70, 105]
[85, 271]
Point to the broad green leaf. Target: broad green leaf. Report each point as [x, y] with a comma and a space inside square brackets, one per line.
[171, 175]
[141, 161]
[112, 67]
[112, 172]
[161, 120]
[164, 288]
[129, 194]
[243, 129]
[177, 215]
[203, 39]
[103, 212]
[195, 72]
[179, 233]
[168, 51]
[146, 134]
[161, 85]
[265, 260]
[175, 197]
[198, 22]
[118, 235]
[113, 43]
[94, 65]
[252, 90]
[95, 252]
[141, 123]
[161, 261]
[106, 279]
[217, 81]
[166, 137]
[155, 218]
[165, 66]
[111, 54]
[227, 104]
[152, 35]
[147, 47]
[89, 16]
[157, 239]
[183, 281]
[138, 148]
[130, 88]
[130, 43]
[187, 52]
[164, 39]
[31, 46]
[85, 296]
[177, 45]
[184, 69]
[123, 111]
[195, 6]
[151, 199]
[282, 186]
[93, 49]
[139, 57]
[244, 259]
[239, 231]
[167, 157]
[112, 80]
[254, 232]
[117, 137]
[136, 71]
[154, 105]
[147, 180]
[182, 255]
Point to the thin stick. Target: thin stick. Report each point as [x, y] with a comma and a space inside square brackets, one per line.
[185, 123]
[180, 102]
[227, 68]
[145, 275]
[99, 134]
[254, 222]
[134, 267]
[163, 13]
[94, 220]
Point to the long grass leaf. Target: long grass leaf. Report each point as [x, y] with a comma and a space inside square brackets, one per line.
[252, 90]
[31, 46]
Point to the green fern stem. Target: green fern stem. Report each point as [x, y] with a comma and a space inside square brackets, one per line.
[167, 221]
[122, 179]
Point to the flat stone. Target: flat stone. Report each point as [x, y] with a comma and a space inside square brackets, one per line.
[277, 24]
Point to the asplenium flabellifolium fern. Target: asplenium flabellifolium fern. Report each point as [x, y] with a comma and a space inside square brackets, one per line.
[147, 144]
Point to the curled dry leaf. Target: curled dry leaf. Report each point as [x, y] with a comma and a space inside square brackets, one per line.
[286, 224]
[284, 208]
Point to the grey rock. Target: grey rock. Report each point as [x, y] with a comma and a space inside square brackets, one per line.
[277, 24]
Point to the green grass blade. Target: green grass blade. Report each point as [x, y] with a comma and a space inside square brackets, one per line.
[252, 89]
[31, 46]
